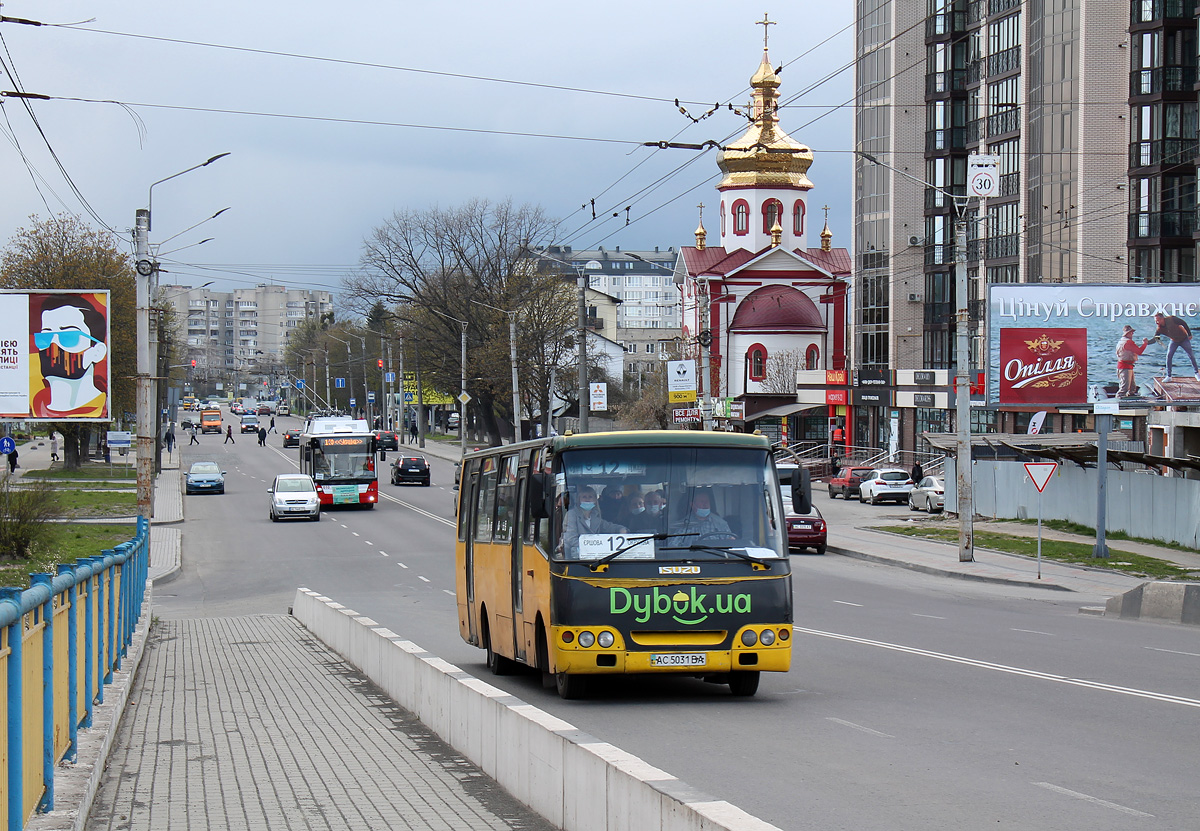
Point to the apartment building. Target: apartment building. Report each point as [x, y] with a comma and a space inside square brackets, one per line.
[244, 332]
[1042, 86]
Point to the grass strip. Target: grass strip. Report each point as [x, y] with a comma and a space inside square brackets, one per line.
[65, 543]
[1060, 551]
[1068, 527]
[88, 471]
[76, 503]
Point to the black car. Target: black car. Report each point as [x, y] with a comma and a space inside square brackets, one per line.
[387, 440]
[291, 438]
[411, 469]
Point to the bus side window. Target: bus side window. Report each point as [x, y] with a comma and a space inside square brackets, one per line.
[485, 502]
[465, 480]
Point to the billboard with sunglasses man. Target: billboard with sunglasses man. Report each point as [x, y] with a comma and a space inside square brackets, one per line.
[54, 356]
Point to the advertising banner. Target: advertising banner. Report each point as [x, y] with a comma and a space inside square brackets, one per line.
[681, 381]
[1071, 344]
[55, 363]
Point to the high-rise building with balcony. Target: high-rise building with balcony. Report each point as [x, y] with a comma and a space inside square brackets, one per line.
[1040, 85]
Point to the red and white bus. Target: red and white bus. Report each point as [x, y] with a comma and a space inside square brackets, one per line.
[339, 454]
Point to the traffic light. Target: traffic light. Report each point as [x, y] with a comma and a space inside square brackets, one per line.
[193, 363]
[381, 363]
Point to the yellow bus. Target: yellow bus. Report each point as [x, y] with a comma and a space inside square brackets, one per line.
[558, 569]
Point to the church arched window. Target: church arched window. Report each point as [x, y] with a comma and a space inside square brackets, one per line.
[756, 362]
[741, 217]
[722, 217]
[772, 211]
[798, 218]
[812, 357]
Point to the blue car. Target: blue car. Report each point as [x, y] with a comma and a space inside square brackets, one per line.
[205, 477]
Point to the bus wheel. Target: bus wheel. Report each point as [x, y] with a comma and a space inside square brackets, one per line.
[743, 683]
[496, 664]
[570, 686]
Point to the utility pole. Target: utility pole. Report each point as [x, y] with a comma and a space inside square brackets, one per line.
[328, 399]
[145, 422]
[583, 382]
[962, 398]
[705, 352]
[462, 418]
[403, 402]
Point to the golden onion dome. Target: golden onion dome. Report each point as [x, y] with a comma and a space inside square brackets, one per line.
[765, 156]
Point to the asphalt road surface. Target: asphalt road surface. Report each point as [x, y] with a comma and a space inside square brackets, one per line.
[914, 702]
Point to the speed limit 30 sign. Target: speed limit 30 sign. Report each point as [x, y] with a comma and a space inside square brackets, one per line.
[983, 175]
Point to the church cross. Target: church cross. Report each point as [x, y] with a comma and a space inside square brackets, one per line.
[765, 22]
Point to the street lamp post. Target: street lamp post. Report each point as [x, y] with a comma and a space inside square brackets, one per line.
[349, 374]
[462, 396]
[584, 398]
[145, 381]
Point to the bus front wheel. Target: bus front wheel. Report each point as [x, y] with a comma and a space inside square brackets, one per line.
[570, 686]
[743, 683]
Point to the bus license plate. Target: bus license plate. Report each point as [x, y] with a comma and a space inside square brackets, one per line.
[678, 659]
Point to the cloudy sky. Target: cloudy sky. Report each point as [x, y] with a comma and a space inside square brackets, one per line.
[337, 115]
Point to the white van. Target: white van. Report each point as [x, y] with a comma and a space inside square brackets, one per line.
[283, 410]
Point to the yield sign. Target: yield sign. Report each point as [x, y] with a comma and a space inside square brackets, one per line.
[1040, 473]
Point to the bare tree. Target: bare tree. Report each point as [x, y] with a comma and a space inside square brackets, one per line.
[429, 267]
[781, 369]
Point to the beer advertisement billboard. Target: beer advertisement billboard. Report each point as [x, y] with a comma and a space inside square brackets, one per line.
[54, 356]
[1072, 344]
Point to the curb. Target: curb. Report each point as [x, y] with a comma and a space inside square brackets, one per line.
[942, 572]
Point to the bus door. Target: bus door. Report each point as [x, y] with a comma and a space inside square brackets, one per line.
[517, 571]
[468, 485]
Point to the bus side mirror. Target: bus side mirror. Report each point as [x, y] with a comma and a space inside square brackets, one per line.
[538, 506]
[801, 491]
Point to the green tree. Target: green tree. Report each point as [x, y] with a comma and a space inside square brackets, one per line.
[63, 252]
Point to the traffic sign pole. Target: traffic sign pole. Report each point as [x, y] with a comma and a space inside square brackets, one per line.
[1040, 473]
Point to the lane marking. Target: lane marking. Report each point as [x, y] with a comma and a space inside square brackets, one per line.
[848, 603]
[423, 579]
[1028, 673]
[355, 533]
[931, 617]
[1173, 651]
[368, 542]
[402, 565]
[384, 553]
[1034, 632]
[851, 724]
[1094, 800]
[447, 591]
[450, 522]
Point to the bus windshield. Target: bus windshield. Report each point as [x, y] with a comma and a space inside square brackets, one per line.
[343, 459]
[667, 503]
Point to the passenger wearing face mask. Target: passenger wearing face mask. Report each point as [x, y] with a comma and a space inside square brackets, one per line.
[700, 520]
[635, 517]
[585, 518]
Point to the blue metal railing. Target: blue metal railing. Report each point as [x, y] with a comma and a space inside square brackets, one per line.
[44, 647]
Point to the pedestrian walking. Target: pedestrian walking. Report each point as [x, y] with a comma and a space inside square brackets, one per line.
[192, 434]
[412, 431]
[228, 434]
[170, 438]
[262, 436]
[53, 446]
[12, 461]
[272, 430]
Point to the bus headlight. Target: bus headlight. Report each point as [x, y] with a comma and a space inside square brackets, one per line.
[749, 638]
[767, 637]
[586, 639]
[606, 640]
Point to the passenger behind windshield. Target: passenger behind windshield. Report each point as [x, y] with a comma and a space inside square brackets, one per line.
[585, 518]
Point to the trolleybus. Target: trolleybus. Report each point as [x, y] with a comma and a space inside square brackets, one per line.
[681, 591]
[339, 454]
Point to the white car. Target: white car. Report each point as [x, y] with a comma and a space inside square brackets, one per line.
[885, 483]
[294, 495]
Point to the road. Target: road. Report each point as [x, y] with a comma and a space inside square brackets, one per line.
[913, 701]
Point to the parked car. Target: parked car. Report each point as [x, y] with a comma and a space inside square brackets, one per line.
[452, 421]
[847, 482]
[885, 483]
[204, 477]
[411, 468]
[806, 530]
[249, 424]
[928, 495]
[294, 495]
[291, 438]
[387, 440]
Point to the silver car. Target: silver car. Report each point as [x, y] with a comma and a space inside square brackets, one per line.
[293, 495]
[929, 495]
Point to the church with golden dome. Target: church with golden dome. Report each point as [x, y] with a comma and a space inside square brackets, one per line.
[762, 306]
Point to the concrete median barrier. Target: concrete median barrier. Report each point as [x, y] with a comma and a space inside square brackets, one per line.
[1160, 600]
[575, 781]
